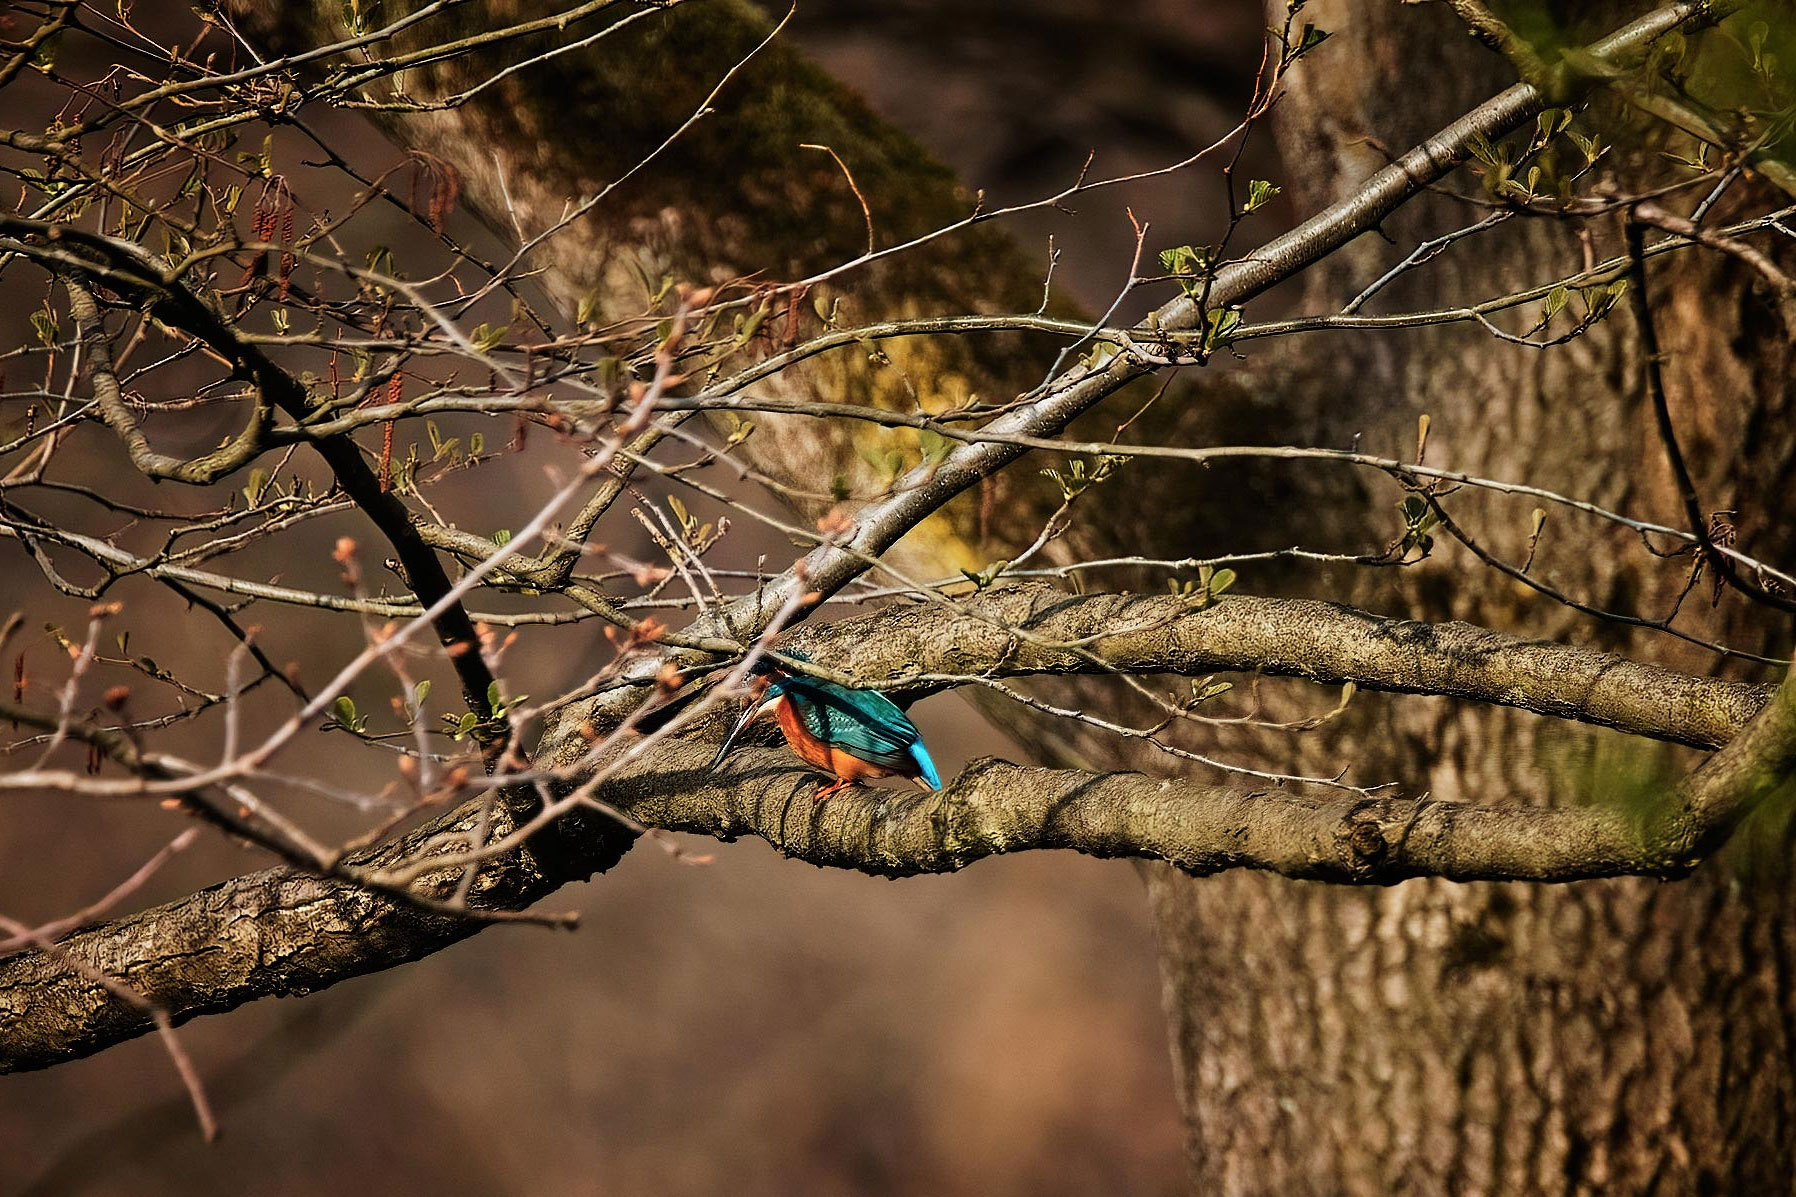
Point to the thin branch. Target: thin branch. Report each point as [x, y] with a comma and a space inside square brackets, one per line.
[1651, 359]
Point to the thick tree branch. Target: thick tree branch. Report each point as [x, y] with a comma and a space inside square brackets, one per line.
[1322, 642]
[996, 807]
[274, 933]
[283, 931]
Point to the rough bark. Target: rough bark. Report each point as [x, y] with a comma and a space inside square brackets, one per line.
[273, 933]
[1322, 642]
[1616, 1036]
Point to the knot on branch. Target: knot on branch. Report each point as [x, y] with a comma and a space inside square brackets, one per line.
[959, 833]
[1360, 838]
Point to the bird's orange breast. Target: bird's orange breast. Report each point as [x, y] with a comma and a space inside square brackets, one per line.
[809, 748]
[815, 752]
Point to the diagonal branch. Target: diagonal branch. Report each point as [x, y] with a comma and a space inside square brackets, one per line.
[931, 486]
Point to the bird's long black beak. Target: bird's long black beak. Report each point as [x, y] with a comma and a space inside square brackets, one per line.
[748, 716]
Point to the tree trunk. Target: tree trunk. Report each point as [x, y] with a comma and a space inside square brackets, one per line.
[1617, 1036]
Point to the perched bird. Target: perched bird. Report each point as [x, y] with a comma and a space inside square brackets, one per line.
[854, 734]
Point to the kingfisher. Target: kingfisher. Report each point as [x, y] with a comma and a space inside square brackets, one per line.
[852, 734]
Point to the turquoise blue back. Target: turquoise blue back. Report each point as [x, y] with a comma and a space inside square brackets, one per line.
[862, 723]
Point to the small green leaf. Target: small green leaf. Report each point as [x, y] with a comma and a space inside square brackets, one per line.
[1550, 123]
[1203, 690]
[935, 446]
[1599, 300]
[1700, 163]
[1312, 37]
[1259, 194]
[48, 331]
[1099, 354]
[1480, 147]
[44, 57]
[1190, 265]
[1219, 323]
[747, 327]
[485, 337]
[258, 483]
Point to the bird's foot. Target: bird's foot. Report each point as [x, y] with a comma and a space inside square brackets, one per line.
[825, 791]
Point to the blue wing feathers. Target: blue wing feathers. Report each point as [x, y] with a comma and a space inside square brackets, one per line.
[864, 723]
[925, 766]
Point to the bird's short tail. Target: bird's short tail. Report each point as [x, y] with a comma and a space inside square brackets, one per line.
[925, 767]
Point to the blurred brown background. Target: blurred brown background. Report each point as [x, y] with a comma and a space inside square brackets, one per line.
[752, 1024]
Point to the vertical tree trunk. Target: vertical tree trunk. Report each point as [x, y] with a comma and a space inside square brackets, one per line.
[1619, 1036]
